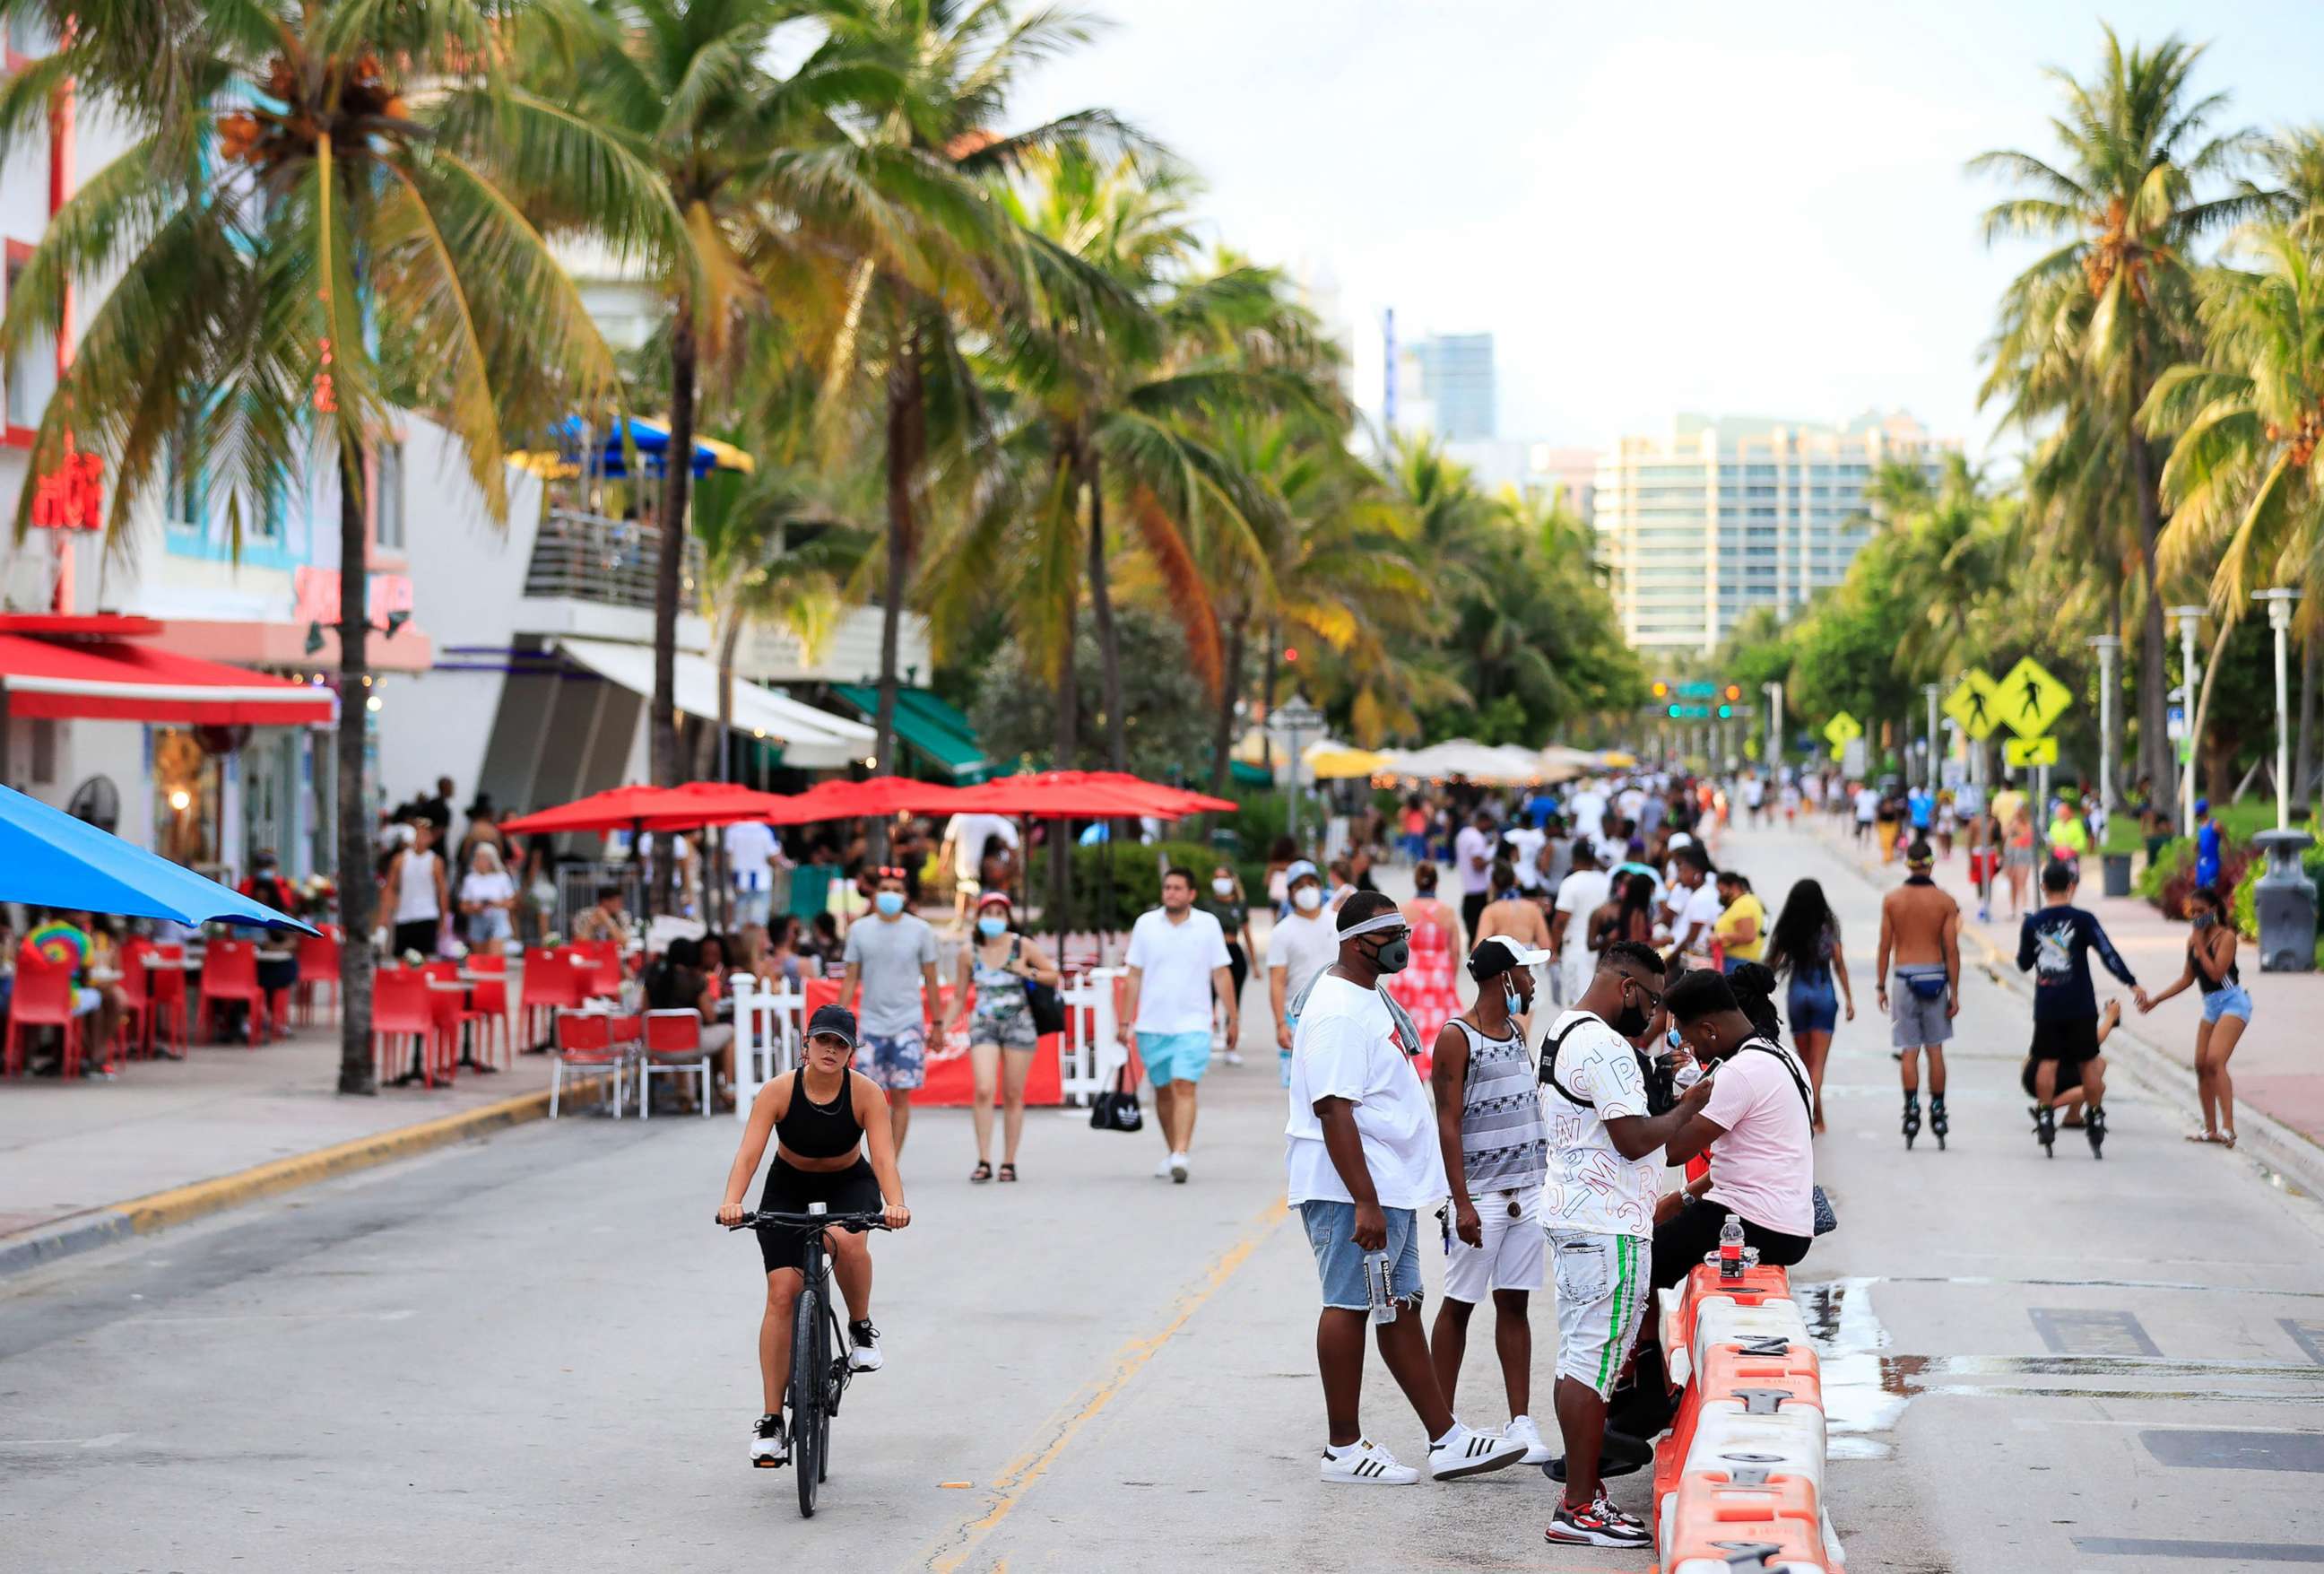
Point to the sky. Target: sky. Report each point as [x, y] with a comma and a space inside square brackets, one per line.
[1736, 209]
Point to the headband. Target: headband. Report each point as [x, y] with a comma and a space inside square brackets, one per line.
[1391, 919]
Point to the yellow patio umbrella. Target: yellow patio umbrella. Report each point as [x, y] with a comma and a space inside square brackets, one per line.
[1328, 761]
[1618, 760]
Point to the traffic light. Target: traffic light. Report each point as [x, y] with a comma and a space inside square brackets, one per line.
[1673, 709]
[1734, 692]
[1725, 711]
[1661, 689]
[1291, 654]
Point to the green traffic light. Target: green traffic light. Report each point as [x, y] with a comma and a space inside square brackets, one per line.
[1725, 711]
[1673, 711]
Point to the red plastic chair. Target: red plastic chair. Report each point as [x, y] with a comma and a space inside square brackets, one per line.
[319, 968]
[230, 972]
[135, 1033]
[586, 1041]
[672, 1046]
[548, 988]
[489, 999]
[400, 1010]
[43, 998]
[599, 968]
[165, 1004]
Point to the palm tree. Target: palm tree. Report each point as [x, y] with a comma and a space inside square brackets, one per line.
[684, 88]
[2245, 479]
[294, 182]
[2127, 203]
[906, 233]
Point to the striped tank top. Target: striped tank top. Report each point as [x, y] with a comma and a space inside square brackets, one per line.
[1504, 1137]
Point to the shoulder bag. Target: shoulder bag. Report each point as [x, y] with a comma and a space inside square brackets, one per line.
[1048, 1006]
[1826, 1220]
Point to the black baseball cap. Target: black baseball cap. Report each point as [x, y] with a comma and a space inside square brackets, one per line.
[832, 1022]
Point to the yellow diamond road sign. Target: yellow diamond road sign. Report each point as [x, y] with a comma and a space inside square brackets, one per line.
[1842, 727]
[2017, 753]
[2030, 700]
[1975, 704]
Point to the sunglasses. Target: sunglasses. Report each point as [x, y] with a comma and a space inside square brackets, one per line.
[1654, 996]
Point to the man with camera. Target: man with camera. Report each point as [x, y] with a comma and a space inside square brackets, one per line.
[1609, 1119]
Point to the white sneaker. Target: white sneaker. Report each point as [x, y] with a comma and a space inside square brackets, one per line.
[1179, 1167]
[863, 1347]
[1464, 1451]
[769, 1447]
[1522, 1429]
[1365, 1464]
[1234, 1057]
[1162, 1170]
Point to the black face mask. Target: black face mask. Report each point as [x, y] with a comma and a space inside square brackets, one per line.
[1631, 1020]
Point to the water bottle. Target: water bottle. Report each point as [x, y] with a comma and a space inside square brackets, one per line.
[1730, 1248]
[1380, 1285]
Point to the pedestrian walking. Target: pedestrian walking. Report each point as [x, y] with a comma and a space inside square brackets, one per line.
[1741, 927]
[1178, 963]
[1511, 912]
[1472, 855]
[1496, 1148]
[1919, 932]
[1360, 1161]
[415, 897]
[995, 967]
[1805, 950]
[891, 984]
[1303, 943]
[2206, 845]
[2069, 837]
[2054, 945]
[1425, 988]
[2226, 1011]
[1605, 1169]
[2019, 853]
[1227, 903]
[1583, 891]
[1695, 896]
[488, 897]
[752, 856]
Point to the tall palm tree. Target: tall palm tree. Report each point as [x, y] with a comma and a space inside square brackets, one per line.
[683, 86]
[2127, 200]
[905, 204]
[295, 181]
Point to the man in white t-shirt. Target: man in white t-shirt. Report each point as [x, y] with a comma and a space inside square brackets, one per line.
[1361, 1160]
[1300, 945]
[965, 835]
[1697, 914]
[1473, 852]
[1583, 891]
[1586, 810]
[1631, 802]
[1755, 793]
[751, 852]
[1605, 1176]
[1524, 844]
[1868, 809]
[1178, 965]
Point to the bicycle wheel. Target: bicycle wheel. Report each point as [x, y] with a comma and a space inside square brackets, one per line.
[807, 1379]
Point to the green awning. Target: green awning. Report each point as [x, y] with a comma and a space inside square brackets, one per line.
[932, 729]
[1244, 773]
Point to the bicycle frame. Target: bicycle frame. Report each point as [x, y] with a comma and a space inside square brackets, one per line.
[815, 1386]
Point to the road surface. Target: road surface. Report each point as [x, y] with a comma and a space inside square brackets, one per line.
[536, 1351]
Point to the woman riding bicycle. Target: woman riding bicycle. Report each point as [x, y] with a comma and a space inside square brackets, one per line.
[823, 1117]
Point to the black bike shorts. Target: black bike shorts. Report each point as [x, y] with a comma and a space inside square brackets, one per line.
[854, 1190]
[2073, 1040]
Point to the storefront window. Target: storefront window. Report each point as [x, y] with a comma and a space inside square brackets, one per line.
[186, 782]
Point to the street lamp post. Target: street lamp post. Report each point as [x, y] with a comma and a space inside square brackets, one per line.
[1291, 720]
[2188, 616]
[1775, 692]
[2106, 645]
[2278, 618]
[1929, 770]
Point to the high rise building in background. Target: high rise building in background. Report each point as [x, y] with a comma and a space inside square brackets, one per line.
[1454, 375]
[1538, 471]
[1722, 517]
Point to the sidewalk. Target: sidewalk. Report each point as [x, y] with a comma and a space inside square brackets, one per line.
[2276, 1068]
[71, 1153]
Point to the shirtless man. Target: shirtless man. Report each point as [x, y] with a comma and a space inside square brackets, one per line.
[1513, 914]
[1920, 932]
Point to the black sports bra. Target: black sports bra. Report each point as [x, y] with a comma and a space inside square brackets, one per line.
[820, 1131]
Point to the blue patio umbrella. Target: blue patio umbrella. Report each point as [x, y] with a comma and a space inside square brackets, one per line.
[649, 440]
[50, 859]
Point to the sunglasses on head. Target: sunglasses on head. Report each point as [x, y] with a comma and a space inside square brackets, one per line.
[885, 874]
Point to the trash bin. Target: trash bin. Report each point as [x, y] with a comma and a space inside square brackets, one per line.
[2118, 873]
[2285, 900]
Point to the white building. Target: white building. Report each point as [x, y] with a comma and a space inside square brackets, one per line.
[1723, 517]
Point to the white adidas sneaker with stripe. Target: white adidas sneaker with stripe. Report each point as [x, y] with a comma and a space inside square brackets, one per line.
[1464, 1451]
[1365, 1463]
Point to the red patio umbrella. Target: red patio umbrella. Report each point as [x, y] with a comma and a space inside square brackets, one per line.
[722, 803]
[1064, 795]
[1183, 799]
[874, 799]
[615, 808]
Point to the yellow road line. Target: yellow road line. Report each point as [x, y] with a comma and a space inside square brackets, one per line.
[1020, 1474]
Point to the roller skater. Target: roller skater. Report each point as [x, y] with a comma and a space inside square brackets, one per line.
[1920, 930]
[2054, 945]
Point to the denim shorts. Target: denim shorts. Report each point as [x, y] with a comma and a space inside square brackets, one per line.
[1340, 1261]
[1174, 1057]
[1813, 1003]
[2235, 1000]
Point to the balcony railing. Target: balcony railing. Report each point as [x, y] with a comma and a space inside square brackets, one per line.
[586, 557]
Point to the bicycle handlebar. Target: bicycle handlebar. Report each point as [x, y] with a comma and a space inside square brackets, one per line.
[855, 1223]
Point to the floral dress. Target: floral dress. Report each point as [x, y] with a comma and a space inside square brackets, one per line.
[1425, 988]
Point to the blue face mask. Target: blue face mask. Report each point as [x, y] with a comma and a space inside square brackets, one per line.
[992, 929]
[888, 903]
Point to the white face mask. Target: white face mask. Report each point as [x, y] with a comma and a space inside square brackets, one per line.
[1307, 898]
[1222, 888]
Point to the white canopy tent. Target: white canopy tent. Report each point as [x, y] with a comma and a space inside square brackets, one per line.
[812, 739]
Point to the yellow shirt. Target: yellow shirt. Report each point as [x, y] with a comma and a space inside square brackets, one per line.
[2070, 833]
[1731, 923]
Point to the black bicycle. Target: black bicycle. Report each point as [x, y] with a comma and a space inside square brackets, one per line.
[820, 1370]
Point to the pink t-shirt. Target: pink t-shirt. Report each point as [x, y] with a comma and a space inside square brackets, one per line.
[1764, 1167]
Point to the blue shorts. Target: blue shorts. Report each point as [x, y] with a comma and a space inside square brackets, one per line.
[1174, 1057]
[1340, 1261]
[898, 1062]
[2235, 1000]
[1813, 1006]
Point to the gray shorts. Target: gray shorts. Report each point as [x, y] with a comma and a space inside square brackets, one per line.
[1915, 1018]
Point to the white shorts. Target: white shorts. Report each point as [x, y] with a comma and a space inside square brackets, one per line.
[1512, 1257]
[1602, 1288]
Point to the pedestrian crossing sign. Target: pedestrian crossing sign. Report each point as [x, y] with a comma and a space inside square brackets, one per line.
[2032, 700]
[1840, 729]
[1975, 704]
[2018, 753]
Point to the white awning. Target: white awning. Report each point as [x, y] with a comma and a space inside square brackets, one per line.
[812, 739]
